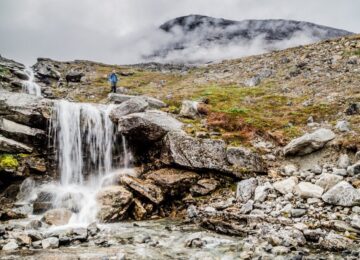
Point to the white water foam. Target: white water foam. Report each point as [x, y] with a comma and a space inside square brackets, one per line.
[30, 86]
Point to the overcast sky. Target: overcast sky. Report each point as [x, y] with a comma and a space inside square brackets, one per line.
[105, 30]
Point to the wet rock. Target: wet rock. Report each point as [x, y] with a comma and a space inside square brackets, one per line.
[93, 229]
[113, 202]
[342, 194]
[335, 242]
[57, 217]
[308, 190]
[309, 143]
[130, 106]
[286, 186]
[36, 165]
[189, 109]
[245, 189]
[34, 235]
[192, 153]
[327, 181]
[10, 146]
[195, 243]
[204, 187]
[80, 234]
[50, 243]
[344, 161]
[26, 188]
[149, 126]
[173, 181]
[43, 202]
[12, 245]
[244, 160]
[144, 187]
[20, 74]
[21, 238]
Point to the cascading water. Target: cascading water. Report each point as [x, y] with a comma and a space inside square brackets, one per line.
[30, 86]
[84, 138]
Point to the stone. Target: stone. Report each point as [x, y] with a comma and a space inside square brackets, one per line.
[20, 74]
[308, 190]
[309, 143]
[289, 170]
[317, 169]
[196, 154]
[355, 221]
[173, 181]
[356, 209]
[342, 194]
[34, 235]
[43, 202]
[12, 245]
[34, 224]
[113, 202]
[148, 126]
[120, 98]
[297, 213]
[245, 189]
[343, 126]
[192, 212]
[252, 82]
[340, 172]
[247, 207]
[244, 160]
[50, 243]
[93, 229]
[57, 217]
[327, 181]
[26, 189]
[286, 186]
[143, 187]
[10, 146]
[261, 192]
[354, 169]
[344, 161]
[80, 234]
[130, 106]
[335, 242]
[189, 109]
[74, 76]
[21, 238]
[313, 235]
[139, 211]
[204, 187]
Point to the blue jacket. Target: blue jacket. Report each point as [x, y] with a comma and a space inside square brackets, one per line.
[113, 78]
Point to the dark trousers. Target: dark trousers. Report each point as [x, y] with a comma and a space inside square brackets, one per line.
[113, 87]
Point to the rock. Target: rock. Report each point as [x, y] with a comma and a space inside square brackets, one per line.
[245, 189]
[34, 235]
[356, 209]
[45, 70]
[26, 189]
[327, 181]
[340, 172]
[342, 194]
[335, 242]
[317, 169]
[286, 186]
[354, 169]
[289, 170]
[198, 154]
[34, 224]
[261, 192]
[11, 146]
[204, 187]
[344, 161]
[313, 235]
[21, 238]
[297, 213]
[309, 143]
[130, 106]
[343, 126]
[149, 126]
[355, 221]
[252, 82]
[120, 98]
[286, 237]
[74, 76]
[12, 245]
[244, 160]
[93, 229]
[139, 211]
[57, 217]
[308, 190]
[353, 109]
[247, 207]
[113, 203]
[192, 212]
[50, 243]
[80, 234]
[43, 202]
[20, 74]
[143, 187]
[173, 181]
[189, 109]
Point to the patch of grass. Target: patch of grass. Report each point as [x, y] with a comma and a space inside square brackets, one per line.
[8, 161]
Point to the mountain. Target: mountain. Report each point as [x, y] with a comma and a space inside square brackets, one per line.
[215, 38]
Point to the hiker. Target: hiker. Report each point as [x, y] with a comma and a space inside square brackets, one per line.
[113, 80]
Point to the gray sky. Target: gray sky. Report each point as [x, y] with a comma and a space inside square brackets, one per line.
[110, 30]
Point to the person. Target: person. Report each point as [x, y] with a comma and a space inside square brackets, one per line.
[113, 79]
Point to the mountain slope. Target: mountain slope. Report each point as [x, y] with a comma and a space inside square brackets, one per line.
[216, 38]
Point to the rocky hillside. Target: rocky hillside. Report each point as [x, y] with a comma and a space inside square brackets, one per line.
[195, 32]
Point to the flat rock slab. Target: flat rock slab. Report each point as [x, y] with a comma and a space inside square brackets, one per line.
[10, 146]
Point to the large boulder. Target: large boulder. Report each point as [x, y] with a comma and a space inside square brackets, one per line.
[186, 151]
[308, 190]
[173, 181]
[113, 203]
[25, 109]
[130, 106]
[309, 143]
[120, 98]
[244, 160]
[342, 194]
[10, 146]
[57, 217]
[74, 76]
[327, 180]
[145, 188]
[148, 126]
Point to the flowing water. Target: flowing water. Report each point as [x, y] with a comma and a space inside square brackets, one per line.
[30, 86]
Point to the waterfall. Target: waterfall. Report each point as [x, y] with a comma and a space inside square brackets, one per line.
[30, 86]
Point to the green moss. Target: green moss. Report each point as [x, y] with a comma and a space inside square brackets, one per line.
[8, 161]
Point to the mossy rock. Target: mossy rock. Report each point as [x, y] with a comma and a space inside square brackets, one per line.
[8, 161]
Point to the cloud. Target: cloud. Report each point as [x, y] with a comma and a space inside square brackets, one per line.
[118, 31]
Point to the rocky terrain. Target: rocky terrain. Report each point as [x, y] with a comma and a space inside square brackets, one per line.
[262, 149]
